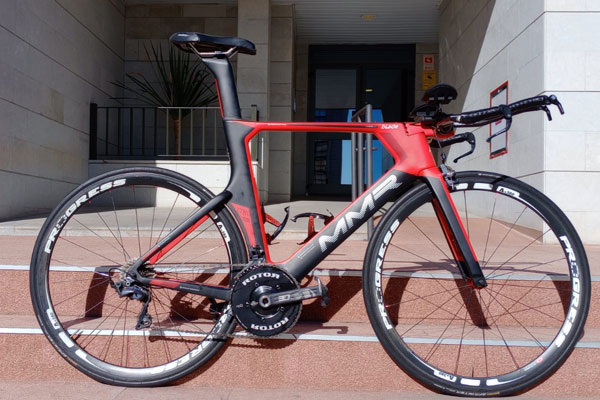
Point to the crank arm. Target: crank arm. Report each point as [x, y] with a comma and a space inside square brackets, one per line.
[294, 296]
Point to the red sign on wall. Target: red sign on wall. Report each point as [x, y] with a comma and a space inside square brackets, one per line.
[428, 62]
[499, 144]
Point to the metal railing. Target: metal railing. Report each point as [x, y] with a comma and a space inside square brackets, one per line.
[358, 158]
[146, 133]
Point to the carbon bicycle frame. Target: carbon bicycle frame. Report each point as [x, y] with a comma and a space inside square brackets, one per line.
[406, 142]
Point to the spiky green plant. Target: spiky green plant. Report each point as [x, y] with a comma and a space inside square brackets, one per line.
[179, 82]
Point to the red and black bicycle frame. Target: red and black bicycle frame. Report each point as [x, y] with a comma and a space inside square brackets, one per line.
[406, 142]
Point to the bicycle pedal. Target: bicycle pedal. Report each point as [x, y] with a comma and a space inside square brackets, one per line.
[325, 300]
[216, 308]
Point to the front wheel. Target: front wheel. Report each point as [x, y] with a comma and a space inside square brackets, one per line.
[459, 340]
[87, 245]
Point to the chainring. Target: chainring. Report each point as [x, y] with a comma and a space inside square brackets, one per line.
[254, 282]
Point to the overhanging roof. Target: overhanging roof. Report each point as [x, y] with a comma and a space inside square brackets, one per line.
[352, 21]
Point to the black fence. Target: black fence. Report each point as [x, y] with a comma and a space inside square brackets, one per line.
[146, 133]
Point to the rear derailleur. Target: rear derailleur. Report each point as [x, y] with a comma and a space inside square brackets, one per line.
[128, 288]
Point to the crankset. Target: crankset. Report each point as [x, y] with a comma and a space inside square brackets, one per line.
[267, 301]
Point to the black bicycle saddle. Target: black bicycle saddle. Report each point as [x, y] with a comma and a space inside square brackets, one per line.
[208, 44]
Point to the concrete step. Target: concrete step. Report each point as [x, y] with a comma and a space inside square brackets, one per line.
[341, 272]
[335, 334]
[292, 362]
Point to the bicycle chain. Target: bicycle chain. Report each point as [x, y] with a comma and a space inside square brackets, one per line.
[244, 334]
[239, 334]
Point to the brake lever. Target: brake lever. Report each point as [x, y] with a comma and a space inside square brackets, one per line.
[553, 100]
[547, 111]
[470, 138]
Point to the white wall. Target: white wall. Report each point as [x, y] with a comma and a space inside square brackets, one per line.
[57, 57]
[482, 45]
[539, 47]
[214, 175]
[572, 142]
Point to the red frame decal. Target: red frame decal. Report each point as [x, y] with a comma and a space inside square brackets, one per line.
[246, 219]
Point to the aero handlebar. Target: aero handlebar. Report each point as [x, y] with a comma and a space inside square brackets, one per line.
[488, 115]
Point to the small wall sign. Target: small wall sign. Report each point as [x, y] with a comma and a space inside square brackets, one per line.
[429, 79]
[428, 62]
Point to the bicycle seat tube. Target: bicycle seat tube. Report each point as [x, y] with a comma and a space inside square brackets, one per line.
[241, 184]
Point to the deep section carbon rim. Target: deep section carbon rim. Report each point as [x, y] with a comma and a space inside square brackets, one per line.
[461, 340]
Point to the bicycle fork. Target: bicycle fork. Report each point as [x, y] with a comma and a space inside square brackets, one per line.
[454, 231]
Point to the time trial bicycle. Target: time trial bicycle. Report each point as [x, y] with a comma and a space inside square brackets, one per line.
[140, 275]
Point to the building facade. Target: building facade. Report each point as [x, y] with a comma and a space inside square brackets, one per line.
[59, 56]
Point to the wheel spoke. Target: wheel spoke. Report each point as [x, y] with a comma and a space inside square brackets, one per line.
[439, 340]
[506, 234]
[487, 238]
[89, 251]
[112, 199]
[429, 239]
[93, 232]
[137, 221]
[166, 220]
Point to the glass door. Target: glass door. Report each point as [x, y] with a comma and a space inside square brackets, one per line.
[343, 79]
[335, 95]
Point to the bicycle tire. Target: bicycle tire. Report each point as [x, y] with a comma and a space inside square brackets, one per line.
[102, 226]
[495, 341]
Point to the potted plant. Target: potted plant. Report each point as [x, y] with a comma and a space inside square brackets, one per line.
[179, 83]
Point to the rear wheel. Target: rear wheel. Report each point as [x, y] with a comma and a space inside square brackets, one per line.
[85, 247]
[492, 341]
